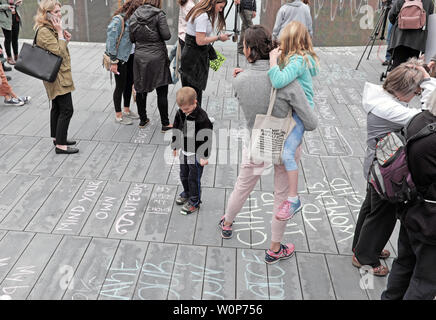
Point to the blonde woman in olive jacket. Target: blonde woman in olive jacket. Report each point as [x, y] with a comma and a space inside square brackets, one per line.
[51, 36]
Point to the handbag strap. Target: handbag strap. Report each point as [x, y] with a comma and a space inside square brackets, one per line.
[122, 31]
[272, 101]
[34, 39]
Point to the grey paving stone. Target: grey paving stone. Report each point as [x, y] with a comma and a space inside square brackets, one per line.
[252, 275]
[11, 247]
[33, 199]
[7, 143]
[180, 227]
[92, 270]
[26, 271]
[315, 277]
[97, 160]
[74, 162]
[59, 272]
[90, 125]
[105, 211]
[341, 221]
[53, 208]
[5, 179]
[20, 122]
[49, 165]
[347, 282]
[33, 157]
[284, 281]
[156, 217]
[211, 211]
[187, 280]
[118, 162]
[139, 163]
[74, 218]
[13, 193]
[154, 281]
[318, 229]
[128, 220]
[124, 272]
[160, 166]
[8, 160]
[219, 281]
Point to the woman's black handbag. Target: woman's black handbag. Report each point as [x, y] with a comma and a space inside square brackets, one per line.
[37, 62]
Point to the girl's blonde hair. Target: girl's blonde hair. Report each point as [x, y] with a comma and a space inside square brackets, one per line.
[41, 15]
[295, 39]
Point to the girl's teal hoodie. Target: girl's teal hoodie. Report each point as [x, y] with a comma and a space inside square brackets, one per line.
[297, 68]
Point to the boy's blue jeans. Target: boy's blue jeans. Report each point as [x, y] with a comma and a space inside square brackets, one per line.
[291, 144]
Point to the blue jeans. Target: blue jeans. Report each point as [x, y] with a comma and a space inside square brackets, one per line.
[291, 144]
[388, 39]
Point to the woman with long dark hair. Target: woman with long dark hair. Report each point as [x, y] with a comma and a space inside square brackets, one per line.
[148, 31]
[202, 19]
[121, 51]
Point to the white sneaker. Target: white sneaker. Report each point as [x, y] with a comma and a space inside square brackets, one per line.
[125, 121]
[131, 115]
[25, 99]
[14, 102]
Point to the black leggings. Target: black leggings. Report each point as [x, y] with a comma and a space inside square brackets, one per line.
[162, 105]
[11, 36]
[124, 83]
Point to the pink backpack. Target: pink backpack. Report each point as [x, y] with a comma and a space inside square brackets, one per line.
[412, 15]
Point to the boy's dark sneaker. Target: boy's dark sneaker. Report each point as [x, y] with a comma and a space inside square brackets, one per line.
[188, 208]
[226, 231]
[286, 251]
[181, 201]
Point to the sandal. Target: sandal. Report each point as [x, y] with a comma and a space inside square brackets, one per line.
[380, 271]
[384, 254]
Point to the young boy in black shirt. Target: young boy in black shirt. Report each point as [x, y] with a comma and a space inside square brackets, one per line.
[192, 132]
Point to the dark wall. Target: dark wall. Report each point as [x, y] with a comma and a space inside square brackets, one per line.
[87, 19]
[336, 22]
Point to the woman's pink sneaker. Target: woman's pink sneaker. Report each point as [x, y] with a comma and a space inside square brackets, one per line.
[288, 209]
[286, 251]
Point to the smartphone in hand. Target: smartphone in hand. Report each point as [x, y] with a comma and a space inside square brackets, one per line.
[50, 16]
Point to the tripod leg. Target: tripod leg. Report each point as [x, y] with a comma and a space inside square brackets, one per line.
[373, 37]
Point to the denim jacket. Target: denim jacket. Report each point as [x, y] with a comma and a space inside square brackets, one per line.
[113, 33]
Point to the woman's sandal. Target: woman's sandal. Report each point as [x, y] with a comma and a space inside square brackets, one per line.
[384, 254]
[380, 271]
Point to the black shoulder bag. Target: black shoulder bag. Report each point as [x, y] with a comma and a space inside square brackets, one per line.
[38, 62]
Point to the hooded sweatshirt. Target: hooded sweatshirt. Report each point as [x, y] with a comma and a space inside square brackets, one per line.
[294, 11]
[385, 114]
[297, 68]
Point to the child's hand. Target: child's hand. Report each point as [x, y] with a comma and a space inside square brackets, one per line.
[274, 55]
[175, 152]
[203, 162]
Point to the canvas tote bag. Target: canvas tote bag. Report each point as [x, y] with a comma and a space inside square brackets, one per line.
[269, 134]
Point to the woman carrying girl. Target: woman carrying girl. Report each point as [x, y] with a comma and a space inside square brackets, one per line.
[296, 61]
[253, 99]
